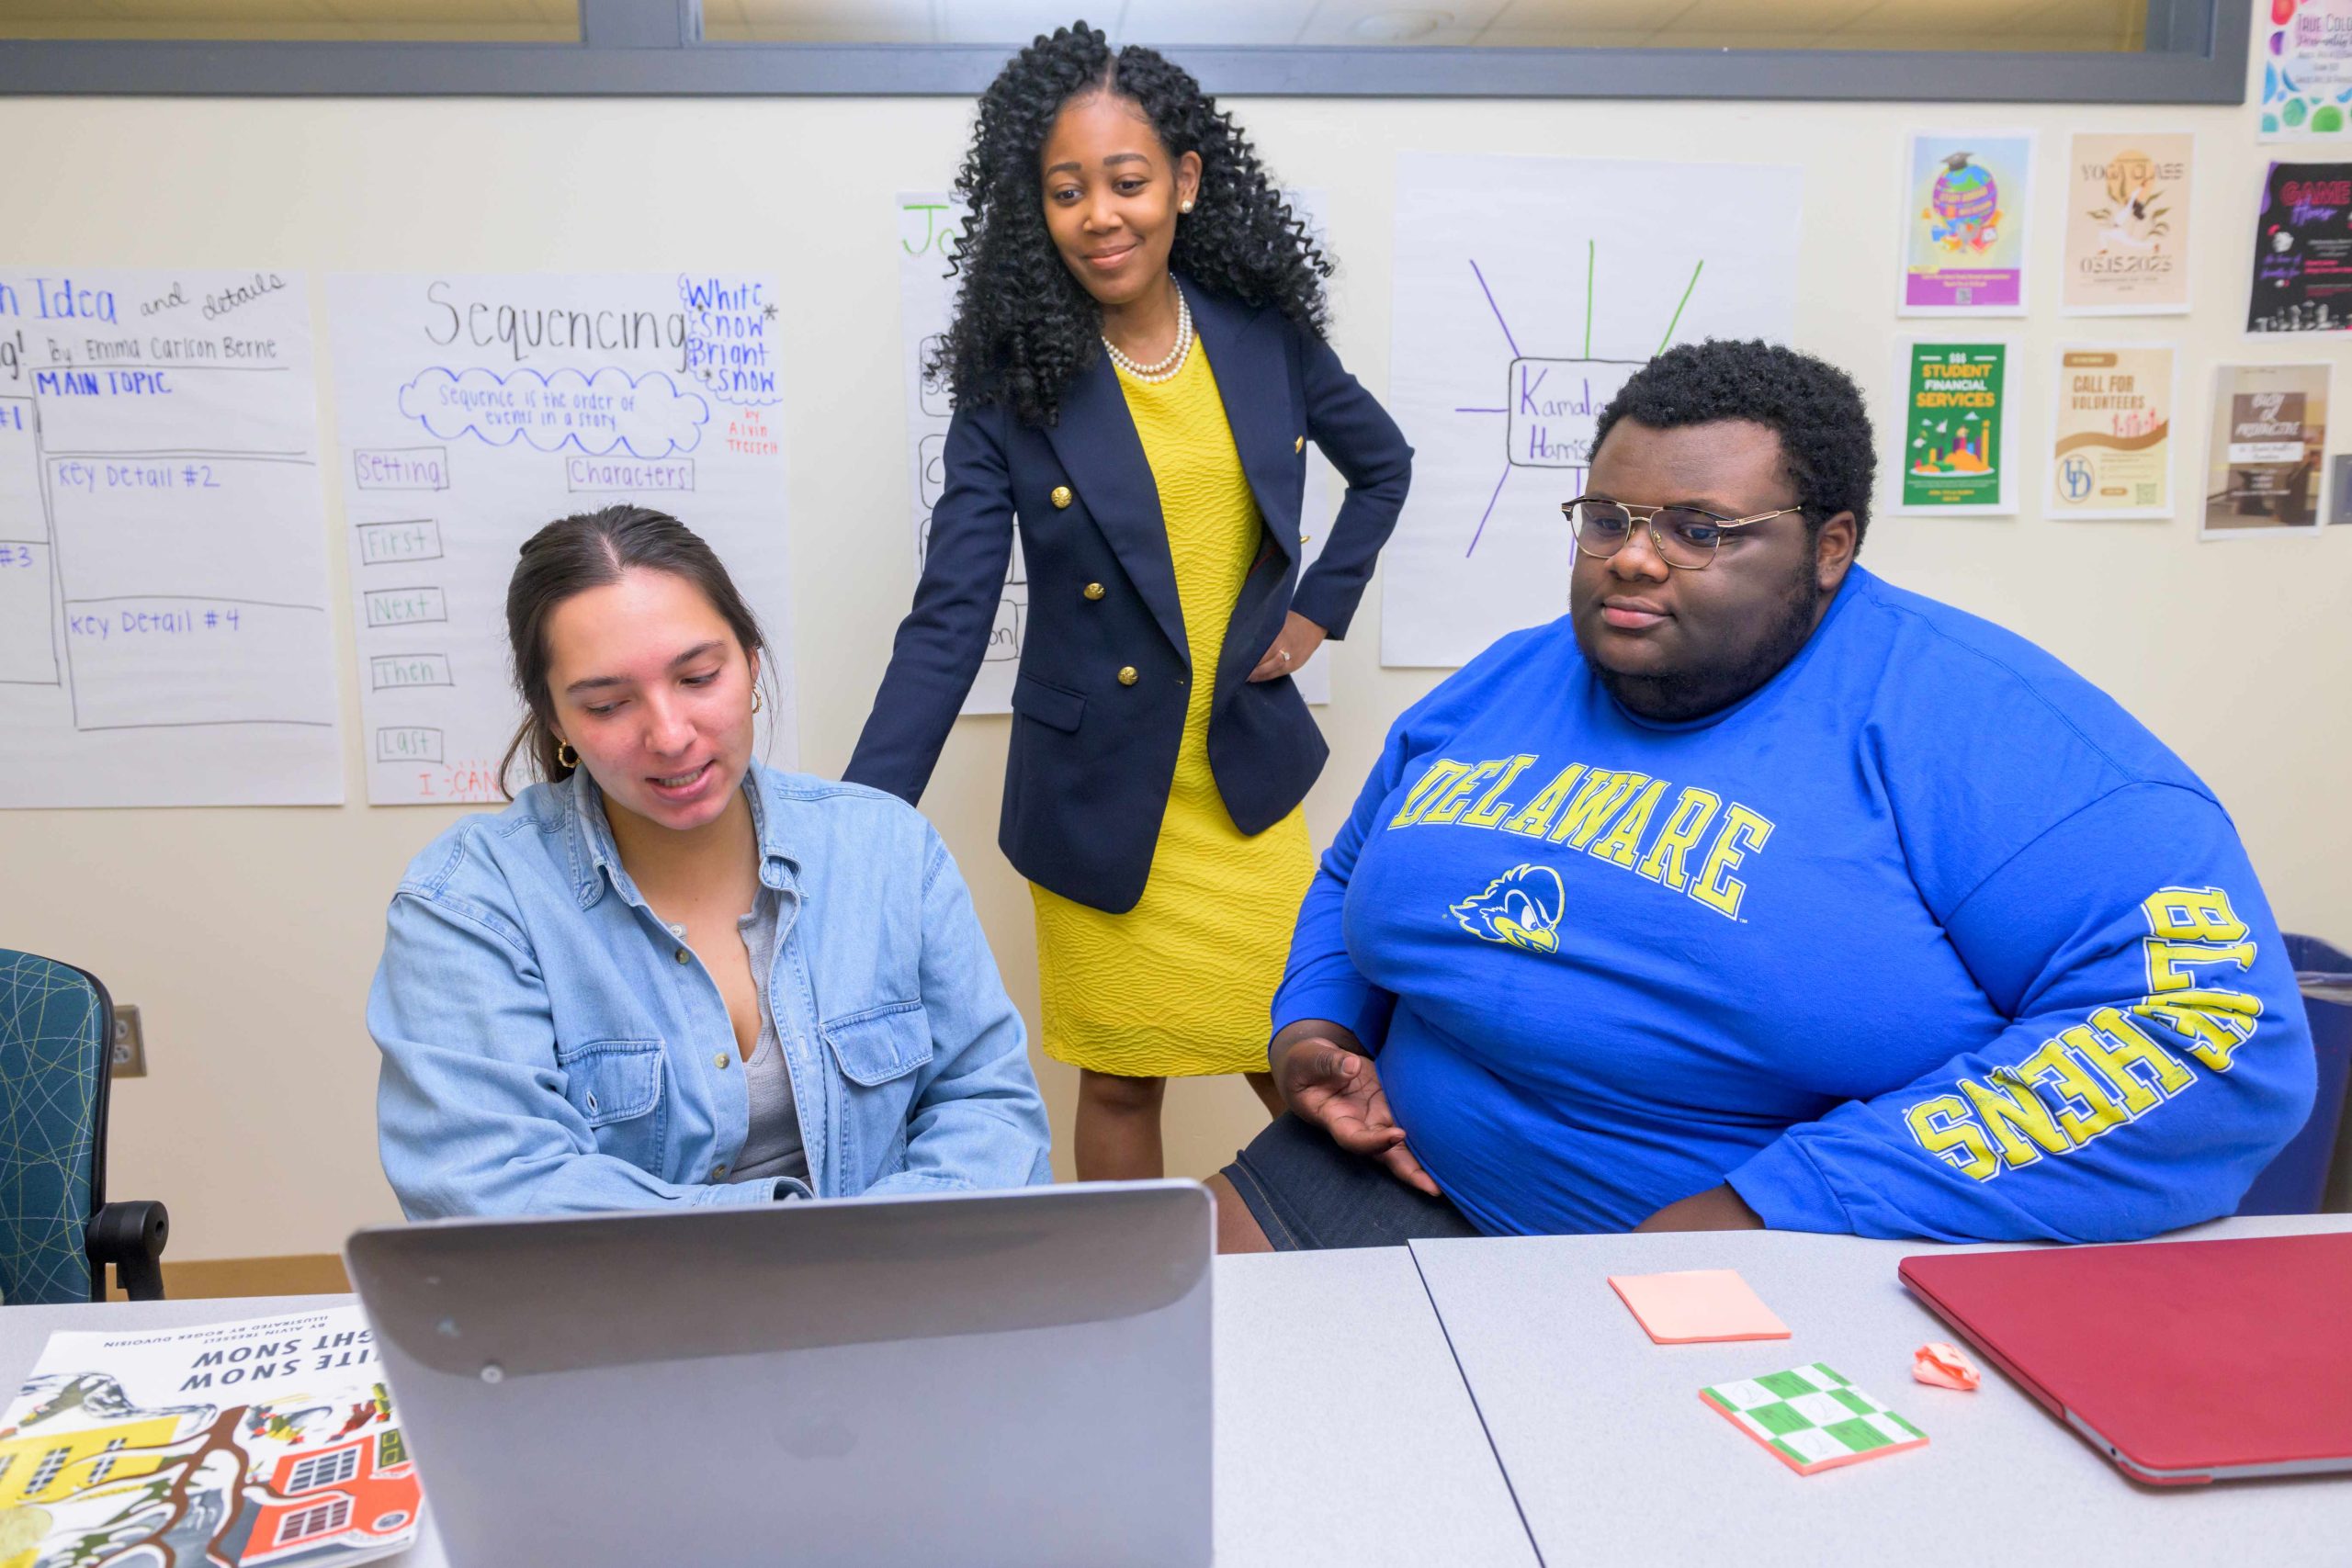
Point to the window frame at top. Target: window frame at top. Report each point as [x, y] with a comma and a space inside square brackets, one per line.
[2196, 53]
[326, 1468]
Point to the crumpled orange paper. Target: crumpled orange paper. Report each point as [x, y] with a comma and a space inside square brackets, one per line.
[1945, 1367]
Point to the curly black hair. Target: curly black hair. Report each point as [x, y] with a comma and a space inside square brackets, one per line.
[1023, 325]
[1824, 430]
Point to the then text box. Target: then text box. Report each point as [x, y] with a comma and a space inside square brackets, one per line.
[393, 672]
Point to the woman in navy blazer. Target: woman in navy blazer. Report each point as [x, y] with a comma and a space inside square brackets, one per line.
[1123, 242]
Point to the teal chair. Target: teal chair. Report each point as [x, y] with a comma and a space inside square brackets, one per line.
[58, 1233]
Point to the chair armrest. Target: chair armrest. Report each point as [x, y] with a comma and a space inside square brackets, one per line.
[130, 1236]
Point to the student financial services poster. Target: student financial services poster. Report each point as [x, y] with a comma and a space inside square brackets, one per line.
[1956, 453]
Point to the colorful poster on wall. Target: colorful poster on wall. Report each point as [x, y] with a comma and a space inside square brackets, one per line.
[2110, 449]
[1965, 200]
[2127, 225]
[2306, 69]
[2263, 467]
[2302, 251]
[1956, 458]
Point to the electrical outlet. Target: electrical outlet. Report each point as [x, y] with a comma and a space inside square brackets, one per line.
[130, 1045]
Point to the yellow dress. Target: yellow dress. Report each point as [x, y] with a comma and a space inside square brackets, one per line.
[1180, 984]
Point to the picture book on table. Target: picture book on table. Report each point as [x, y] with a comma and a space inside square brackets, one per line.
[272, 1440]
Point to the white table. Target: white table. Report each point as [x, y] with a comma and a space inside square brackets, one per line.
[1614, 1459]
[1344, 1434]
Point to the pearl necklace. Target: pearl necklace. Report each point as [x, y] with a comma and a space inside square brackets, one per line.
[1166, 369]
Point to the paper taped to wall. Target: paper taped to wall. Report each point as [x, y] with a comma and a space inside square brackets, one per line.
[1528, 290]
[165, 632]
[474, 410]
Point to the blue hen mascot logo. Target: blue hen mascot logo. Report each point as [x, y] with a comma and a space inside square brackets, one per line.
[1520, 908]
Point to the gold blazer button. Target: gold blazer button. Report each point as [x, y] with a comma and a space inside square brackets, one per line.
[1127, 676]
[1061, 495]
[1095, 590]
[1299, 444]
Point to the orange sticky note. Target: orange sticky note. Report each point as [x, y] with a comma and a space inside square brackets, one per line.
[1945, 1366]
[1697, 1305]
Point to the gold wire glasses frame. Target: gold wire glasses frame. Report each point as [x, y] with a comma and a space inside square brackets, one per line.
[1684, 537]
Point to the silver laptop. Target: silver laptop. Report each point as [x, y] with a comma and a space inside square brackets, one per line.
[1016, 1378]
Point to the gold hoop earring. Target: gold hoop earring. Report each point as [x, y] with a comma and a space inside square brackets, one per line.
[565, 756]
[755, 699]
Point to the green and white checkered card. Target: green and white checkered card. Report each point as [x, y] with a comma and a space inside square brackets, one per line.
[1813, 1418]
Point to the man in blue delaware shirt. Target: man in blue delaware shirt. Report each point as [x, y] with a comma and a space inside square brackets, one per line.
[1757, 891]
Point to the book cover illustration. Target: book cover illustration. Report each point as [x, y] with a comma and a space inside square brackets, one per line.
[272, 1440]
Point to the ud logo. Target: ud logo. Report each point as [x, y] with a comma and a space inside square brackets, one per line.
[1520, 908]
[2075, 476]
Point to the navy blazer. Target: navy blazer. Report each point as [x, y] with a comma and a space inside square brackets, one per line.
[1092, 755]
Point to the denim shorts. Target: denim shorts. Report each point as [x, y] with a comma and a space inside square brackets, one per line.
[1307, 1194]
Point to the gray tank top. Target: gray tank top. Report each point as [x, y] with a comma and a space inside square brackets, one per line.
[772, 1144]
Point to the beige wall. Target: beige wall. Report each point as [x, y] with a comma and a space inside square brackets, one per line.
[247, 936]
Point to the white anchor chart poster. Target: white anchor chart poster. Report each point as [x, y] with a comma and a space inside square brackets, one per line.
[165, 636]
[1527, 291]
[475, 409]
[928, 222]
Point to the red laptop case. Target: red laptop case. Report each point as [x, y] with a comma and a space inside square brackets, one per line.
[2182, 1361]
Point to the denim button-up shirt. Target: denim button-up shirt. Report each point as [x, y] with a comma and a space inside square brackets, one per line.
[549, 1047]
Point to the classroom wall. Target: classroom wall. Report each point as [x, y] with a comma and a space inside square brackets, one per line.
[247, 936]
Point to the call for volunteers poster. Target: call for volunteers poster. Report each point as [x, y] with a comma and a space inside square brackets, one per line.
[1956, 455]
[2110, 450]
[1966, 202]
[2127, 225]
[2302, 251]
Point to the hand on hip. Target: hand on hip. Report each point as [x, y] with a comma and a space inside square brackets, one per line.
[1299, 639]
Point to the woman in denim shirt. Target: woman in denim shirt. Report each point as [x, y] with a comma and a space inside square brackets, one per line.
[670, 975]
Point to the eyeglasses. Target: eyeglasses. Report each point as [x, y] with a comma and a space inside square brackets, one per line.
[1684, 537]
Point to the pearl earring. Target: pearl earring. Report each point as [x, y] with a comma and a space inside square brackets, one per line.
[1186, 207]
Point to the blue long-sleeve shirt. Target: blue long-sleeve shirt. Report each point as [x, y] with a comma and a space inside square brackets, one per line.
[1926, 937]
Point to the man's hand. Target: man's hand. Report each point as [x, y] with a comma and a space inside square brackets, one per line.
[1716, 1208]
[1297, 642]
[1335, 1088]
